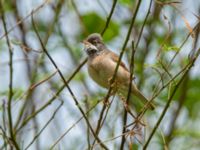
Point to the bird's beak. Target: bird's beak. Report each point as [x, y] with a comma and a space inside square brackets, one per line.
[88, 46]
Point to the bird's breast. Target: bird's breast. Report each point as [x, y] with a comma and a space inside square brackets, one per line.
[100, 71]
[101, 68]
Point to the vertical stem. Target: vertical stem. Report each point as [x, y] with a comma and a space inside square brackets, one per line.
[10, 94]
[109, 17]
[128, 96]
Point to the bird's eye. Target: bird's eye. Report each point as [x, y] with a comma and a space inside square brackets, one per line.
[95, 42]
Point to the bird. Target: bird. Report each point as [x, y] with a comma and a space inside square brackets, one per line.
[101, 66]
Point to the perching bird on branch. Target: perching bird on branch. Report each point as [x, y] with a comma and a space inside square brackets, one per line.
[101, 67]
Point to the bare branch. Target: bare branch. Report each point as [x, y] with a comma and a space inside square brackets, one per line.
[10, 94]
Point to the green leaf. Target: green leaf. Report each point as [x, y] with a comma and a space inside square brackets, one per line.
[192, 101]
[95, 24]
[171, 48]
[193, 96]
[17, 93]
[126, 2]
[155, 65]
[7, 6]
[80, 77]
[134, 147]
[16, 42]
[41, 26]
[77, 53]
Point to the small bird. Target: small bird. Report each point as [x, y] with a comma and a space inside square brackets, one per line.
[101, 67]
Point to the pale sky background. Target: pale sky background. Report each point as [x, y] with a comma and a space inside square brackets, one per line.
[71, 28]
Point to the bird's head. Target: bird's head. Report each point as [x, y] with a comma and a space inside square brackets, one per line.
[94, 44]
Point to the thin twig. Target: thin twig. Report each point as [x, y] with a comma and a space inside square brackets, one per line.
[43, 80]
[114, 138]
[4, 127]
[6, 138]
[145, 20]
[128, 96]
[10, 94]
[109, 17]
[181, 100]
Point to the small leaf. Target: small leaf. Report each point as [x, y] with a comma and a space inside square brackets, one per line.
[171, 48]
[80, 76]
[7, 6]
[17, 92]
[41, 26]
[126, 2]
[155, 65]
[16, 42]
[134, 146]
[77, 53]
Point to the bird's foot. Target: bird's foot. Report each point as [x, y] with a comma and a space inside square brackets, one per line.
[106, 102]
[113, 83]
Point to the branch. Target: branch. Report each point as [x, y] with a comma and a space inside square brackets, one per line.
[109, 17]
[128, 96]
[145, 20]
[181, 101]
[43, 80]
[10, 94]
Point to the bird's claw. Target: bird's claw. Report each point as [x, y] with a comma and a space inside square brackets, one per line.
[106, 102]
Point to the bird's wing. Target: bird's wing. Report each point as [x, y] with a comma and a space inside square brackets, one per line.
[115, 58]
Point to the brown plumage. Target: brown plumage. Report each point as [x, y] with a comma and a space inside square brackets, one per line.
[101, 66]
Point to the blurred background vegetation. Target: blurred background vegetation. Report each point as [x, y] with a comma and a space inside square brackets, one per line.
[37, 110]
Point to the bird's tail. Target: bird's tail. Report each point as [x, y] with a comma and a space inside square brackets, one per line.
[144, 100]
